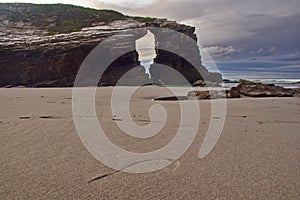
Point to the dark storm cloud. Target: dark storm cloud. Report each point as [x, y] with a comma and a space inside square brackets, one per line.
[265, 35]
[282, 32]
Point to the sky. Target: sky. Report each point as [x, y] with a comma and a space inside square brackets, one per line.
[249, 38]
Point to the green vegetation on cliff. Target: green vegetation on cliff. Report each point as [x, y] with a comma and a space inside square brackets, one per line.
[144, 19]
[59, 18]
[56, 18]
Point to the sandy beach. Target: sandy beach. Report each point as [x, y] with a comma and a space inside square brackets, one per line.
[42, 156]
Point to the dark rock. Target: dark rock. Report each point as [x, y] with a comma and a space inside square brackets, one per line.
[191, 70]
[198, 95]
[253, 89]
[8, 86]
[296, 95]
[213, 77]
[226, 81]
[206, 94]
[134, 77]
[152, 84]
[229, 81]
[171, 98]
[246, 82]
[233, 93]
[296, 92]
[103, 84]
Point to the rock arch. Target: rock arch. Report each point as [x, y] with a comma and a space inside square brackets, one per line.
[53, 61]
[159, 74]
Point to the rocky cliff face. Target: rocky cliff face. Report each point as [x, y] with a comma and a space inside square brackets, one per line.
[43, 50]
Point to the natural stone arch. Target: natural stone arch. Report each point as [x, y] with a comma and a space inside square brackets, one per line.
[160, 74]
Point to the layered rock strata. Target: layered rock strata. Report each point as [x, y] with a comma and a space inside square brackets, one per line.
[32, 56]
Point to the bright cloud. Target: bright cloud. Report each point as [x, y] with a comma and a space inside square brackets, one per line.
[220, 51]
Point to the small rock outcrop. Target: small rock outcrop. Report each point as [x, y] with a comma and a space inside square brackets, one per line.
[246, 88]
[233, 93]
[253, 89]
[206, 94]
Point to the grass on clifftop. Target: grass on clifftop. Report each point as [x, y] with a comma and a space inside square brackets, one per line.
[144, 19]
[56, 18]
[60, 18]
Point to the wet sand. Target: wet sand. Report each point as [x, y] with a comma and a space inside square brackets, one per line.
[42, 156]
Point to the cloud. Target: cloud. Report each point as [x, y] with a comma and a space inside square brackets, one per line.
[258, 69]
[171, 9]
[272, 49]
[128, 3]
[260, 50]
[261, 27]
[221, 51]
[292, 56]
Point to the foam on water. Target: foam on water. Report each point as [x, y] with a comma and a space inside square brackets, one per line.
[287, 83]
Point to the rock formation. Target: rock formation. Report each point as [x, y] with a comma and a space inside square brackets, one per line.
[177, 62]
[207, 94]
[246, 88]
[44, 46]
[253, 89]
[233, 93]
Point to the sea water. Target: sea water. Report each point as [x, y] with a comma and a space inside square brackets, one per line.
[287, 83]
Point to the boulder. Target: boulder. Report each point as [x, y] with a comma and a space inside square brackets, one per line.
[245, 87]
[253, 89]
[233, 93]
[296, 95]
[296, 92]
[198, 95]
[206, 94]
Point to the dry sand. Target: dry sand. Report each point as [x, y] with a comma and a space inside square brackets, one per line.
[256, 157]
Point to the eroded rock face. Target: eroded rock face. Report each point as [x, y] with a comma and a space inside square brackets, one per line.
[53, 61]
[31, 57]
[192, 69]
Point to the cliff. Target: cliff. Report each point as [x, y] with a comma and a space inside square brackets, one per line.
[44, 46]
